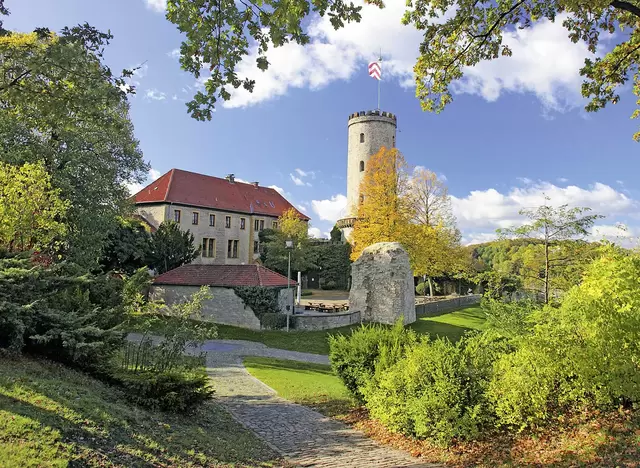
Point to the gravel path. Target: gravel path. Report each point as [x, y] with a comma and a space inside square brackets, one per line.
[303, 436]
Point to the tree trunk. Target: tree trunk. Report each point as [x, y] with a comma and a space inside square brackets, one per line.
[546, 268]
[430, 286]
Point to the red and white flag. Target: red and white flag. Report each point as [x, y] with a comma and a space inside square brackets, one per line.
[375, 71]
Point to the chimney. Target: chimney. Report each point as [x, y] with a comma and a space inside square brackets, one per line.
[231, 178]
[255, 184]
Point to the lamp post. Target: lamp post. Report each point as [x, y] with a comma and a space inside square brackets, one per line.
[289, 246]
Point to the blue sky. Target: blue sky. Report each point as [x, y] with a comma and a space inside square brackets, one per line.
[515, 130]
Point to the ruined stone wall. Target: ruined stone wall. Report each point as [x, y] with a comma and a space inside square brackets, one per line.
[382, 284]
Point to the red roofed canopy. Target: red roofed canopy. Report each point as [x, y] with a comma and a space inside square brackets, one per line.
[192, 189]
[223, 276]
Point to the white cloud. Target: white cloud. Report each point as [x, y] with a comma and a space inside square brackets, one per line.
[135, 187]
[525, 180]
[155, 95]
[299, 181]
[302, 173]
[174, 53]
[315, 232]
[611, 232]
[280, 190]
[544, 62]
[157, 5]
[562, 180]
[330, 209]
[481, 212]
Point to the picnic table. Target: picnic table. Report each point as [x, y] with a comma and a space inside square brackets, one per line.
[321, 307]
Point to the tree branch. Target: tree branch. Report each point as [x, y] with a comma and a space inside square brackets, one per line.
[15, 80]
[631, 8]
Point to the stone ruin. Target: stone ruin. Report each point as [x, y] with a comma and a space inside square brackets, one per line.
[382, 284]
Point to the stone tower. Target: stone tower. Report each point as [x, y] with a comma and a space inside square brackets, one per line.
[368, 132]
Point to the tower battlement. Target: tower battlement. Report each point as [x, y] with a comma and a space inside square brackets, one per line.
[373, 113]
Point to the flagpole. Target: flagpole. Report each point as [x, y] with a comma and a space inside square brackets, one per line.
[379, 61]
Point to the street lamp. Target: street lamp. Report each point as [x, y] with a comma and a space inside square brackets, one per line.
[288, 245]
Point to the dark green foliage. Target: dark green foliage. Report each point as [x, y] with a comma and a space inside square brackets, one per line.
[127, 247]
[333, 264]
[370, 349]
[59, 311]
[271, 321]
[336, 234]
[171, 247]
[173, 390]
[261, 300]
[275, 256]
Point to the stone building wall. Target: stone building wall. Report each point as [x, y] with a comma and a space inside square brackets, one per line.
[225, 307]
[309, 322]
[156, 214]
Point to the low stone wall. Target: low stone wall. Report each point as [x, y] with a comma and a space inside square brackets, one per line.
[310, 322]
[431, 309]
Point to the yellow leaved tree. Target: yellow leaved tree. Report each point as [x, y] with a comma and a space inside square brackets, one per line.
[384, 210]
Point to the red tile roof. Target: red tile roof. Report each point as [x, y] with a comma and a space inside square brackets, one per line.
[190, 188]
[223, 276]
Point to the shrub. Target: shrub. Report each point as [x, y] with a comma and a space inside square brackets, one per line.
[306, 292]
[356, 358]
[59, 311]
[421, 288]
[271, 321]
[433, 392]
[173, 390]
[261, 300]
[584, 353]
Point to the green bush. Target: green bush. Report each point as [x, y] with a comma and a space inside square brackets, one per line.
[271, 321]
[175, 390]
[372, 348]
[306, 292]
[329, 285]
[60, 312]
[422, 289]
[434, 392]
[584, 353]
[261, 300]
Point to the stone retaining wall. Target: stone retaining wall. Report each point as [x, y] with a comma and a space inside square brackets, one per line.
[431, 309]
[310, 322]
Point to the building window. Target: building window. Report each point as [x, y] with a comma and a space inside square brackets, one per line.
[196, 215]
[394, 141]
[176, 216]
[256, 247]
[212, 220]
[232, 249]
[242, 223]
[362, 138]
[256, 225]
[361, 166]
[227, 222]
[208, 247]
[274, 224]
[261, 224]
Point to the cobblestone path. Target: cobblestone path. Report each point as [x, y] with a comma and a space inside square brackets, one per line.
[303, 436]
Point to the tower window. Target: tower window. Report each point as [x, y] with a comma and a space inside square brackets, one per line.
[361, 166]
[362, 138]
[394, 141]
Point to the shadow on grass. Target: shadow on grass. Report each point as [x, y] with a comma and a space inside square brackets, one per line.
[45, 405]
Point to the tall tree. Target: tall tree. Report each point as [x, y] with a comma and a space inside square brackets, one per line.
[552, 225]
[171, 247]
[62, 105]
[31, 210]
[436, 239]
[128, 247]
[384, 210]
[457, 34]
[275, 253]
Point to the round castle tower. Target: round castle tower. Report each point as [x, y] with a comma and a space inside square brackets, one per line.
[368, 132]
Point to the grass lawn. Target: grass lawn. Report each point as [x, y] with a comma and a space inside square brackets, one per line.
[312, 385]
[52, 416]
[451, 324]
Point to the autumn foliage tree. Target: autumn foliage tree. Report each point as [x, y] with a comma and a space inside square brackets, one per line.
[384, 211]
